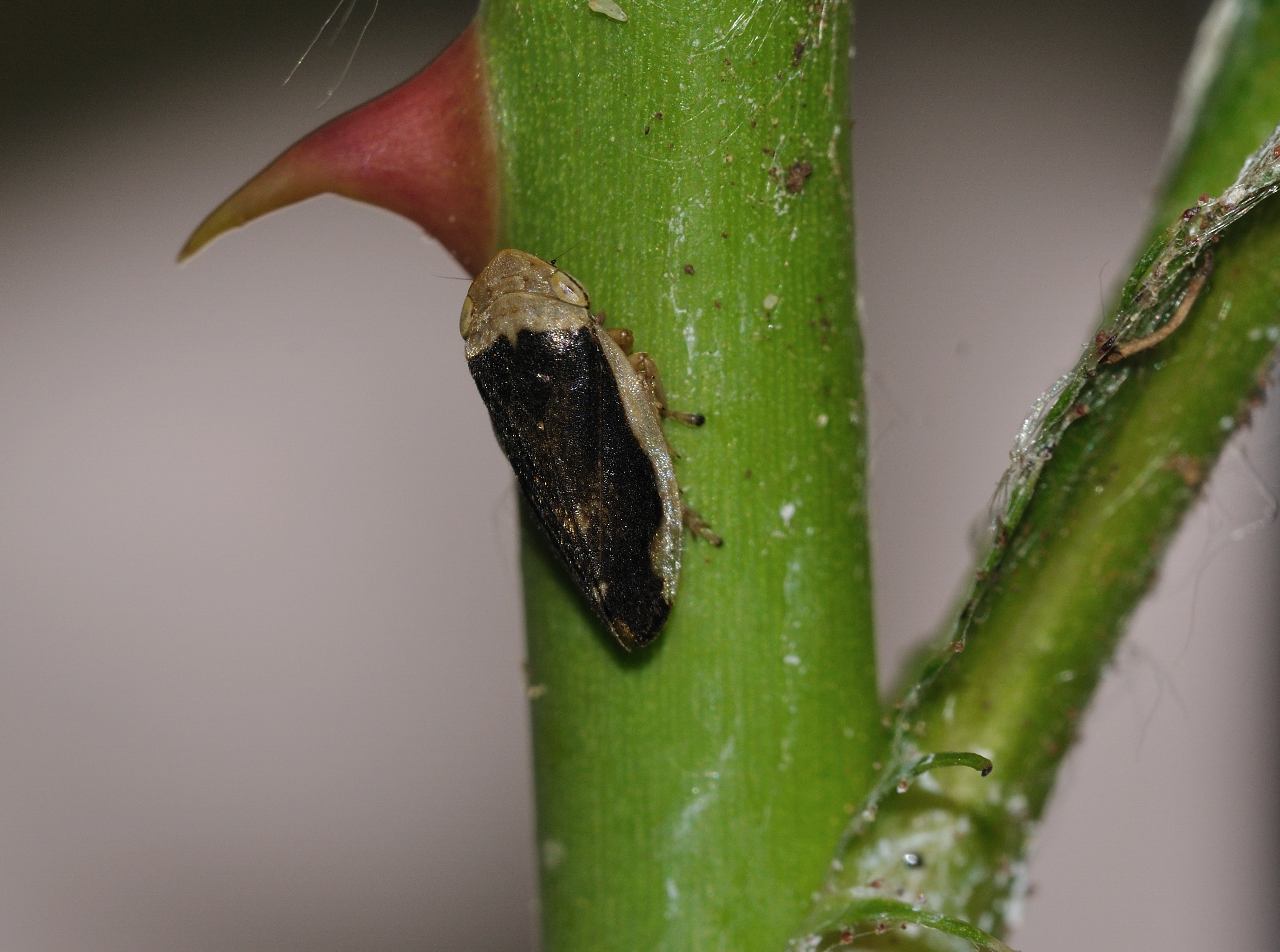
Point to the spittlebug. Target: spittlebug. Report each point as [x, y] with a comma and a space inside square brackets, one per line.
[580, 419]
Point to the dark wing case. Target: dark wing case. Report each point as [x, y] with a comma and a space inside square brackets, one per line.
[558, 416]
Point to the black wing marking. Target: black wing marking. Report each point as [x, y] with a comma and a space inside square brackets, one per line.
[558, 416]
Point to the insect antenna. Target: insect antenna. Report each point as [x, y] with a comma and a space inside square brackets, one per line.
[572, 248]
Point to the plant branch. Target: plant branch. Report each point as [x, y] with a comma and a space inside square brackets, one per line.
[693, 162]
[1107, 465]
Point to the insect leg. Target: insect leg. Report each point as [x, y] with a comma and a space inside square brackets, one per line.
[700, 528]
[625, 340]
[647, 370]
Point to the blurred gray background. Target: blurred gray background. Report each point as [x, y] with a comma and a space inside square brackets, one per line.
[260, 642]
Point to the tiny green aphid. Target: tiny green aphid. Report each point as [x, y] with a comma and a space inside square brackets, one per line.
[580, 419]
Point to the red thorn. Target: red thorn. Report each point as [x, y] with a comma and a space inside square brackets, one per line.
[424, 150]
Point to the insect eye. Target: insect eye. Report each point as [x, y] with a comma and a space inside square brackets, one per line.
[567, 290]
[464, 322]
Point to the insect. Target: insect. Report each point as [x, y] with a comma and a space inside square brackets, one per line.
[580, 419]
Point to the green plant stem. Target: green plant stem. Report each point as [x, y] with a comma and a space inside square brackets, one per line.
[1044, 621]
[691, 168]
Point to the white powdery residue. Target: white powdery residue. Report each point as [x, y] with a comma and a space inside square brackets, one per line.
[1226, 424]
[833, 154]
[673, 898]
[723, 758]
[787, 512]
[793, 620]
[823, 420]
[704, 796]
[676, 226]
[785, 757]
[1273, 333]
[694, 809]
[1066, 677]
[791, 583]
[770, 302]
